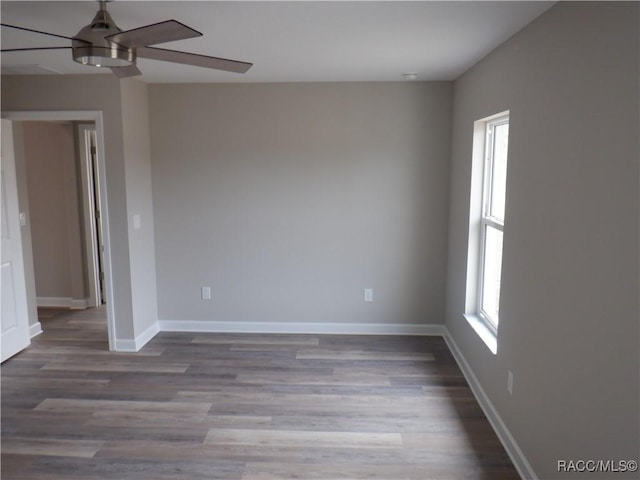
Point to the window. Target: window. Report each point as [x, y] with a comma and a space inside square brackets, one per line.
[492, 220]
[486, 225]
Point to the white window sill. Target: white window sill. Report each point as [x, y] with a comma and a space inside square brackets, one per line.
[486, 335]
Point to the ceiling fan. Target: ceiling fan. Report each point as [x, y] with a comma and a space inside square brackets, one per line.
[103, 44]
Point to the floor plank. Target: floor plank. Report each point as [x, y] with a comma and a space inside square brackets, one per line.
[50, 447]
[292, 438]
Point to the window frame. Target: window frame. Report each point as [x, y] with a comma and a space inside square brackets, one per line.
[487, 220]
[479, 204]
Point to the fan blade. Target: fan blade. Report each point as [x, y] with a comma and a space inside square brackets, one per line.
[194, 59]
[162, 32]
[124, 72]
[38, 31]
[34, 48]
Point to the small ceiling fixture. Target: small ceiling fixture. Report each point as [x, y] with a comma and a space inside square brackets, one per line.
[410, 76]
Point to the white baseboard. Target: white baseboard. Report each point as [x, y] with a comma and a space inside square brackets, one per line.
[124, 345]
[35, 329]
[148, 334]
[302, 328]
[509, 443]
[128, 345]
[62, 302]
[78, 304]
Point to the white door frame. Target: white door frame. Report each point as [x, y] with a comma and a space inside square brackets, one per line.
[89, 212]
[96, 117]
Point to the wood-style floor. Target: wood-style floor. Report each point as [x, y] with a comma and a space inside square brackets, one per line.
[240, 407]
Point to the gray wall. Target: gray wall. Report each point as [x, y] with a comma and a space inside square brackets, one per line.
[569, 304]
[54, 212]
[290, 199]
[135, 137]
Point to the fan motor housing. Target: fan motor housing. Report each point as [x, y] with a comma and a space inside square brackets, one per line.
[90, 47]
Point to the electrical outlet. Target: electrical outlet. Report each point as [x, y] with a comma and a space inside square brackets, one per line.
[510, 382]
[206, 293]
[368, 294]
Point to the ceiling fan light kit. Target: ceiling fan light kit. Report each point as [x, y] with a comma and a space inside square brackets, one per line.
[103, 44]
[107, 56]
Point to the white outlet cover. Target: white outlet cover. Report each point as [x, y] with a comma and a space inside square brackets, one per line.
[368, 294]
[206, 293]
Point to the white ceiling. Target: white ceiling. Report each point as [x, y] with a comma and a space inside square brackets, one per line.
[287, 41]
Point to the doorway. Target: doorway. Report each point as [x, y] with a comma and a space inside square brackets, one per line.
[94, 191]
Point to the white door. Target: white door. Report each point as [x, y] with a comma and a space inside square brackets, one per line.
[14, 320]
